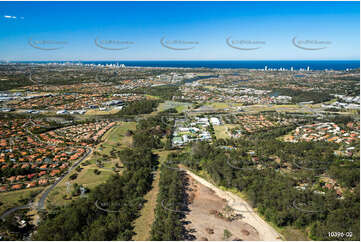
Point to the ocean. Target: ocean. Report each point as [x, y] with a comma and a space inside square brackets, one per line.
[225, 64]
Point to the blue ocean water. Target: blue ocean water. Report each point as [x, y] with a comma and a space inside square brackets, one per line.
[312, 64]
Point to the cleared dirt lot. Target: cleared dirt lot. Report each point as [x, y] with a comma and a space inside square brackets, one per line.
[205, 219]
[250, 217]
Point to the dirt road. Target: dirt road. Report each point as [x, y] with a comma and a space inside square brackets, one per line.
[265, 231]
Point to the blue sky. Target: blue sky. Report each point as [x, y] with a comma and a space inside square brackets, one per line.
[331, 29]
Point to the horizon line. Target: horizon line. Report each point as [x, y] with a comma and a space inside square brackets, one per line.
[170, 60]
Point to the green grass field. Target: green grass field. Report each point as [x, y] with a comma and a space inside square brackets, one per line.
[143, 224]
[222, 105]
[98, 112]
[17, 198]
[219, 105]
[278, 108]
[150, 97]
[221, 130]
[86, 177]
[115, 138]
[179, 106]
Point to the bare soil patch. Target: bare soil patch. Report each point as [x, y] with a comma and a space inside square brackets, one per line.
[210, 217]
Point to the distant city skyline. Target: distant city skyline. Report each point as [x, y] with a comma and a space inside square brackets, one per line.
[61, 31]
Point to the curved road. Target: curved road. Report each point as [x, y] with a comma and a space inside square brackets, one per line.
[43, 197]
[46, 193]
[11, 210]
[59, 179]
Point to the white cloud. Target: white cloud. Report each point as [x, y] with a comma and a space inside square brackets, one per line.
[12, 17]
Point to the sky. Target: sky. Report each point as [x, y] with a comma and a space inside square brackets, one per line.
[34, 31]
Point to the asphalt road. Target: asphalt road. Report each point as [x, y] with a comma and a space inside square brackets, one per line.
[10, 211]
[46, 193]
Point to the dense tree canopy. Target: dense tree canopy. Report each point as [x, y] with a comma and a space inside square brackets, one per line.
[273, 192]
[108, 212]
[139, 107]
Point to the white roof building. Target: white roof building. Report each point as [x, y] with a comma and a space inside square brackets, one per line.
[215, 121]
